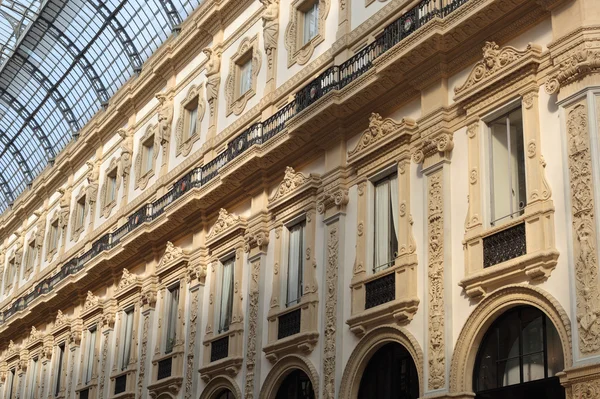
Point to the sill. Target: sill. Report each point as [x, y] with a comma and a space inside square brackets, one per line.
[530, 267]
[400, 311]
[170, 385]
[230, 366]
[303, 342]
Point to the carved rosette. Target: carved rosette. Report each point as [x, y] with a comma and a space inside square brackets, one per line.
[235, 101]
[584, 231]
[331, 277]
[435, 267]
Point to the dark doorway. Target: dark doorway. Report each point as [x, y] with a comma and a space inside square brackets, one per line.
[296, 385]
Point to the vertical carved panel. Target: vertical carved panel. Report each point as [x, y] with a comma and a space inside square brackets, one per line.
[143, 354]
[191, 345]
[330, 313]
[435, 225]
[252, 326]
[584, 230]
[103, 365]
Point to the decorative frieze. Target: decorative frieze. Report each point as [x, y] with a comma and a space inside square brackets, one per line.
[578, 64]
[435, 273]
[584, 229]
[252, 334]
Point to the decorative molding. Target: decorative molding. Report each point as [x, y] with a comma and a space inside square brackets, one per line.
[143, 354]
[141, 180]
[270, 18]
[584, 230]
[253, 337]
[291, 182]
[91, 301]
[61, 319]
[127, 279]
[331, 284]
[236, 102]
[443, 143]
[184, 142]
[63, 213]
[165, 123]
[296, 51]
[126, 157]
[435, 223]
[380, 132]
[107, 207]
[77, 230]
[213, 79]
[93, 178]
[282, 368]
[51, 251]
[225, 222]
[172, 254]
[336, 197]
[577, 65]
[191, 342]
[496, 64]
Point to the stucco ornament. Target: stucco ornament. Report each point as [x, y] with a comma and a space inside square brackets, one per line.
[270, 18]
[127, 279]
[297, 51]
[64, 203]
[11, 348]
[291, 181]
[171, 253]
[213, 79]
[236, 101]
[584, 231]
[251, 345]
[330, 313]
[39, 233]
[494, 60]
[377, 130]
[93, 177]
[2, 263]
[126, 157]
[437, 357]
[577, 65]
[34, 335]
[165, 121]
[224, 221]
[91, 300]
[61, 319]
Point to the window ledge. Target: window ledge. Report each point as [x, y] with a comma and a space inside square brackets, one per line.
[400, 311]
[170, 385]
[230, 366]
[530, 267]
[303, 342]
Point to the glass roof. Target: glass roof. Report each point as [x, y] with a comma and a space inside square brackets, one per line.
[60, 62]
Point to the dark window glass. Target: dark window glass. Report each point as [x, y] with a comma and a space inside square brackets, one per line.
[296, 385]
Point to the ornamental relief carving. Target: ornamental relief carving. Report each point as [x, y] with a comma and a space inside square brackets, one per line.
[296, 51]
[496, 61]
[142, 178]
[331, 290]
[235, 103]
[91, 301]
[76, 228]
[224, 222]
[93, 179]
[213, 77]
[437, 357]
[126, 157]
[63, 213]
[441, 144]
[577, 65]
[270, 18]
[172, 253]
[127, 279]
[107, 207]
[183, 141]
[251, 354]
[291, 181]
[379, 129]
[584, 231]
[191, 340]
[165, 122]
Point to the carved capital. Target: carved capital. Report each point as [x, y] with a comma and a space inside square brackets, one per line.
[333, 198]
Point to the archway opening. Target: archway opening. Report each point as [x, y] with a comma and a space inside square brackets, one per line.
[390, 374]
[519, 357]
[225, 394]
[296, 385]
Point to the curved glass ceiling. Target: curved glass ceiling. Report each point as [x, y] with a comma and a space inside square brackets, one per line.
[60, 62]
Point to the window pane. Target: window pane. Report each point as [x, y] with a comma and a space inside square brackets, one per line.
[245, 76]
[486, 379]
[295, 267]
[173, 304]
[382, 216]
[226, 296]
[508, 337]
[193, 115]
[128, 336]
[509, 372]
[311, 24]
[556, 362]
[59, 371]
[90, 355]
[533, 367]
[507, 167]
[533, 331]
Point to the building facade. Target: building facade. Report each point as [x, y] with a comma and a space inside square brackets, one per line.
[323, 199]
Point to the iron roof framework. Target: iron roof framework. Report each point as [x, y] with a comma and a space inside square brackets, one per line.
[60, 62]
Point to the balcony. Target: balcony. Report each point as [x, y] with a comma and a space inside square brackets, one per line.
[223, 354]
[368, 72]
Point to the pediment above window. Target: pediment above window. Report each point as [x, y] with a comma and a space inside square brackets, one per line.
[173, 257]
[227, 224]
[128, 285]
[294, 186]
[497, 65]
[381, 133]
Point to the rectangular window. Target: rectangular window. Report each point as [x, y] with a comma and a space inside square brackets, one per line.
[147, 155]
[311, 22]
[245, 73]
[10, 274]
[192, 116]
[90, 349]
[171, 317]
[54, 235]
[226, 309]
[33, 379]
[59, 369]
[385, 242]
[111, 186]
[80, 215]
[295, 263]
[11, 384]
[30, 256]
[127, 338]
[507, 167]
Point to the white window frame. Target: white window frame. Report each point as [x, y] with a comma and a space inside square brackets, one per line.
[90, 344]
[297, 222]
[384, 175]
[309, 11]
[220, 323]
[34, 367]
[80, 213]
[30, 257]
[504, 112]
[171, 315]
[127, 336]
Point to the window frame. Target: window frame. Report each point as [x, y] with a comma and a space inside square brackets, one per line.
[299, 221]
[30, 258]
[221, 277]
[90, 353]
[248, 51]
[127, 349]
[60, 360]
[184, 141]
[171, 312]
[305, 8]
[384, 176]
[142, 174]
[298, 51]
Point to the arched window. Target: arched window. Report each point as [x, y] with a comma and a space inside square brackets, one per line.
[225, 394]
[390, 374]
[296, 385]
[519, 358]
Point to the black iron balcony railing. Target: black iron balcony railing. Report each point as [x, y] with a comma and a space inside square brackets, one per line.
[289, 324]
[120, 384]
[333, 78]
[165, 367]
[380, 291]
[219, 349]
[504, 245]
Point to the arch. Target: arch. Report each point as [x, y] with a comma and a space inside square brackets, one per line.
[480, 320]
[282, 369]
[217, 384]
[367, 347]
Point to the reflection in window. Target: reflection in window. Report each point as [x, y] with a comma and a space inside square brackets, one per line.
[296, 385]
[507, 166]
[311, 22]
[226, 302]
[386, 219]
[295, 263]
[171, 316]
[246, 75]
[521, 346]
